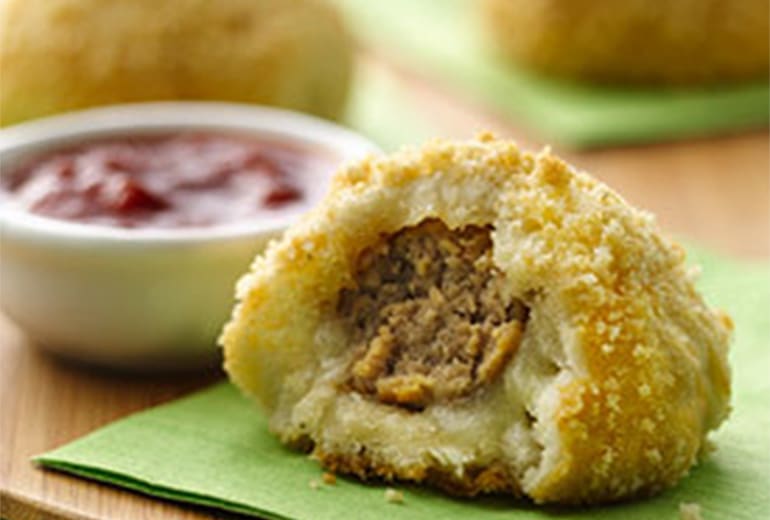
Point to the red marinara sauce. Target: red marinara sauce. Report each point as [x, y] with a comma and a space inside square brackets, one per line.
[165, 181]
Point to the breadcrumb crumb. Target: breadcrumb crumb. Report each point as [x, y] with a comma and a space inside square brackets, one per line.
[689, 511]
[394, 496]
[329, 478]
[314, 484]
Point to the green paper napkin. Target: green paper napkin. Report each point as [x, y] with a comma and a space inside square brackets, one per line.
[444, 39]
[213, 448]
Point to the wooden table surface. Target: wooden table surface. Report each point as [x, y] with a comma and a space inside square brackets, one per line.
[714, 191]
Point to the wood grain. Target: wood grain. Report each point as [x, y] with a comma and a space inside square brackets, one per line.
[46, 402]
[713, 191]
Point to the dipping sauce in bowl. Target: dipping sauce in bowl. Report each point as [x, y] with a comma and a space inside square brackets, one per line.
[176, 180]
[123, 229]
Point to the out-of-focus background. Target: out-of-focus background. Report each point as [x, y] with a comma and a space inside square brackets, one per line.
[667, 102]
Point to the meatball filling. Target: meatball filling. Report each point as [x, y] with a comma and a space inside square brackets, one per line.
[429, 319]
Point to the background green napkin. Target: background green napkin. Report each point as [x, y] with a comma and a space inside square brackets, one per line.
[213, 448]
[445, 39]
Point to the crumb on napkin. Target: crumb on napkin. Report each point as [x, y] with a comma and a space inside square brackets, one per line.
[689, 511]
[394, 496]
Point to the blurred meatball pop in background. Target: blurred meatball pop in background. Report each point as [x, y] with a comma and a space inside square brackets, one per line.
[61, 55]
[635, 41]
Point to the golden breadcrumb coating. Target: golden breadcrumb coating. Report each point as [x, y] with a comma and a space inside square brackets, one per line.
[59, 55]
[636, 41]
[621, 368]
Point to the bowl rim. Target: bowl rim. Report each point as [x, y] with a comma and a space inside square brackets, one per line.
[158, 116]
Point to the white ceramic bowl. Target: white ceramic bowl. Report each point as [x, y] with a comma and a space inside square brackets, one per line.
[147, 299]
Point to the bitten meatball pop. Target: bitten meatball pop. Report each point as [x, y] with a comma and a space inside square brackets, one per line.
[483, 320]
